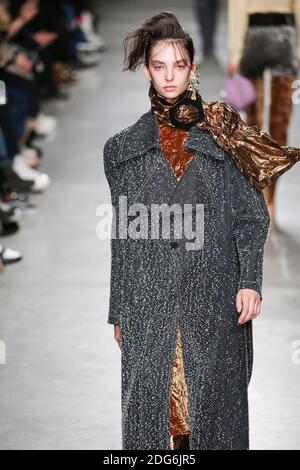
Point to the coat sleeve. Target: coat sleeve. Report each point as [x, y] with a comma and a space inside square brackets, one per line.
[250, 225]
[117, 245]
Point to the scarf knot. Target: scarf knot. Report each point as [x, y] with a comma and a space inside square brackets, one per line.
[183, 111]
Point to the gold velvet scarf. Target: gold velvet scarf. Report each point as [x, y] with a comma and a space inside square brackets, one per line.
[259, 157]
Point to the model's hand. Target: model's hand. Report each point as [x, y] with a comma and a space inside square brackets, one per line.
[117, 334]
[247, 304]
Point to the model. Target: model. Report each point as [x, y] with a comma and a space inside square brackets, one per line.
[182, 306]
[271, 27]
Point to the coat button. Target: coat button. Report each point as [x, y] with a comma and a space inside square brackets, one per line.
[174, 244]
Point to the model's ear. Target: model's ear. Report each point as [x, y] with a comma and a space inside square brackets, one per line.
[146, 71]
[193, 68]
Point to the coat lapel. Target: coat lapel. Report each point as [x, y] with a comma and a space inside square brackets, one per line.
[144, 135]
[160, 184]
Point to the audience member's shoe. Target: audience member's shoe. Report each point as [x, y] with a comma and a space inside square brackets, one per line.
[6, 212]
[9, 256]
[87, 27]
[18, 200]
[64, 74]
[88, 47]
[45, 125]
[85, 60]
[10, 179]
[41, 180]
[9, 214]
[9, 228]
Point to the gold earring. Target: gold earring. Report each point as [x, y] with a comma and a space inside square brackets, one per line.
[194, 81]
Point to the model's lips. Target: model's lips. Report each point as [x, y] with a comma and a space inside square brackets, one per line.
[170, 87]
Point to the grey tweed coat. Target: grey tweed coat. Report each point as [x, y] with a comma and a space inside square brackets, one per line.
[158, 284]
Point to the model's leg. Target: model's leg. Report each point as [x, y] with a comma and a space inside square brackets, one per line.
[179, 427]
[255, 111]
[281, 106]
[280, 113]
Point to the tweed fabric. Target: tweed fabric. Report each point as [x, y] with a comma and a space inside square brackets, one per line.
[173, 141]
[158, 286]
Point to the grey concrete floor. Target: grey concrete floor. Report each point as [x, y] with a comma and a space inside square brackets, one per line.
[60, 387]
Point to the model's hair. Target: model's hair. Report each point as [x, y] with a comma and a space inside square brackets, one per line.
[163, 26]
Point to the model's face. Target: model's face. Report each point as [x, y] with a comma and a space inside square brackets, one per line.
[169, 69]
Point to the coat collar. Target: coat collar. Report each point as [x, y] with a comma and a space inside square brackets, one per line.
[143, 135]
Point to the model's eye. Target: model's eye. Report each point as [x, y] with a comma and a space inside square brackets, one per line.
[181, 66]
[158, 67]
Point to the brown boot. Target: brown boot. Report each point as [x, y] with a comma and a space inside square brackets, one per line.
[255, 111]
[63, 73]
[281, 107]
[280, 113]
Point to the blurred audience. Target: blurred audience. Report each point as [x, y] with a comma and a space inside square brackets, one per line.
[43, 45]
[206, 13]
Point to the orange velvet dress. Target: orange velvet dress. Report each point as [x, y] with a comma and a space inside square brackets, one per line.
[172, 140]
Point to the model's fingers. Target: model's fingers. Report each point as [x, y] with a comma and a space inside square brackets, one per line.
[245, 312]
[117, 334]
[257, 308]
[245, 302]
[255, 311]
[238, 302]
[251, 309]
